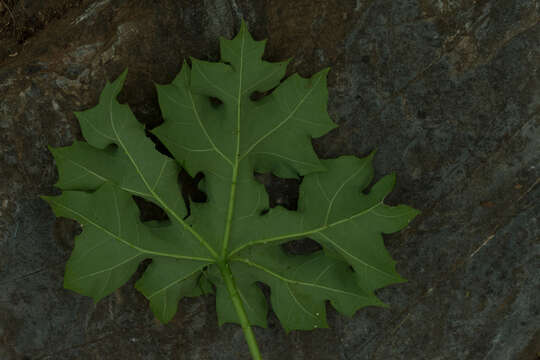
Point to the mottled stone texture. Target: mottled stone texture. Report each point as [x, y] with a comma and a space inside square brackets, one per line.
[446, 91]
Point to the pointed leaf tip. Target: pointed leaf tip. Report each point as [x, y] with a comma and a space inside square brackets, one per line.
[243, 25]
[325, 71]
[123, 75]
[118, 83]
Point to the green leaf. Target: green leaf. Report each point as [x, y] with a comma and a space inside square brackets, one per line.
[232, 242]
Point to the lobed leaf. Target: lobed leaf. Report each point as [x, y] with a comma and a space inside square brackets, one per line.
[227, 140]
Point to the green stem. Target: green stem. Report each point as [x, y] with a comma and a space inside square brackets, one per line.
[240, 311]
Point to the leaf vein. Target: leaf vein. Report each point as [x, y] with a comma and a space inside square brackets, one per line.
[303, 283]
[299, 303]
[108, 269]
[347, 253]
[172, 284]
[203, 128]
[88, 221]
[339, 190]
[138, 170]
[304, 98]
[214, 85]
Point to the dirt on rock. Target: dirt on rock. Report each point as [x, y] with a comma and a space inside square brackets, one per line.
[20, 20]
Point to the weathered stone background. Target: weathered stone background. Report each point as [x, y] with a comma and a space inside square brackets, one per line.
[446, 90]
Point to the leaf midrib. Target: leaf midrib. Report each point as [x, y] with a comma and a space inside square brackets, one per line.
[331, 201]
[237, 159]
[292, 281]
[304, 233]
[283, 122]
[165, 288]
[109, 269]
[125, 242]
[165, 206]
[347, 253]
[197, 116]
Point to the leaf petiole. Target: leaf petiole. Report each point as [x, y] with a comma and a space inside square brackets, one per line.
[240, 311]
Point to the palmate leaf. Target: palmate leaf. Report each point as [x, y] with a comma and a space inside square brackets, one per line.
[233, 241]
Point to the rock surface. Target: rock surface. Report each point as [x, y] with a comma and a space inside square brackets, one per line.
[447, 91]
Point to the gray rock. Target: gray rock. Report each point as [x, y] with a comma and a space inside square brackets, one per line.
[446, 91]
